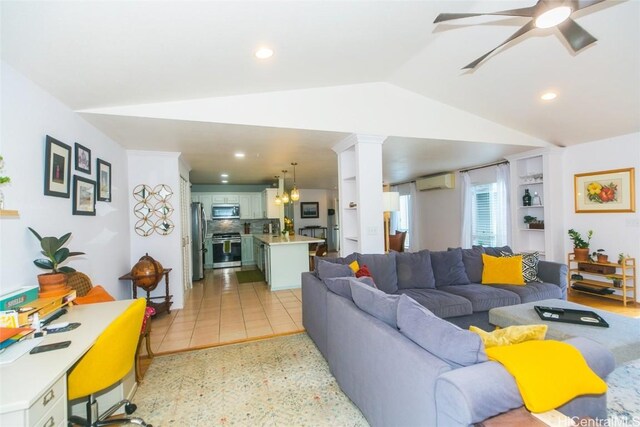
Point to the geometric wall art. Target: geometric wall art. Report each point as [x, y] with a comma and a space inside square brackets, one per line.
[153, 209]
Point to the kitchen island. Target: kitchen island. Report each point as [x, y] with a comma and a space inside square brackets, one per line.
[284, 259]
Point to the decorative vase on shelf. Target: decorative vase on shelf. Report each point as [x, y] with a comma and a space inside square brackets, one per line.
[536, 201]
[526, 199]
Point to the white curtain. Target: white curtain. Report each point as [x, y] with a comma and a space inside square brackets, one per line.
[467, 201]
[503, 217]
[394, 222]
[414, 219]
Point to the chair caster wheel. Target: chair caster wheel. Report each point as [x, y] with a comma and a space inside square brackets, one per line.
[130, 408]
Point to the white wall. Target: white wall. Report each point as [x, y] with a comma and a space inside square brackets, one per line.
[29, 114]
[320, 196]
[153, 168]
[440, 218]
[614, 232]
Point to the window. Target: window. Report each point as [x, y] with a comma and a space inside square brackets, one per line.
[483, 215]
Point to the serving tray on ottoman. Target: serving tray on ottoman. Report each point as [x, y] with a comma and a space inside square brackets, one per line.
[568, 315]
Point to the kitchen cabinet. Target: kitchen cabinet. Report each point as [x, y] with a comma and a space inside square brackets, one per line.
[207, 200]
[248, 250]
[225, 198]
[246, 209]
[258, 248]
[256, 205]
[269, 207]
[208, 253]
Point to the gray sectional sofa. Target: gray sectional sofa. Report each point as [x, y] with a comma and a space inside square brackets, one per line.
[390, 373]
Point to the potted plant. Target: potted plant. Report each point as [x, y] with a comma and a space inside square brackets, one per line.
[621, 257]
[600, 256]
[52, 249]
[617, 282]
[580, 246]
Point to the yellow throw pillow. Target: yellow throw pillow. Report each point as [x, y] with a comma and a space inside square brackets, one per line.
[548, 373]
[355, 266]
[502, 270]
[511, 334]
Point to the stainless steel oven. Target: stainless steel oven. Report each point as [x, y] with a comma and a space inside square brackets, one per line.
[227, 250]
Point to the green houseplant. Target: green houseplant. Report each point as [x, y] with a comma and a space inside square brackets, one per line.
[600, 256]
[56, 254]
[580, 246]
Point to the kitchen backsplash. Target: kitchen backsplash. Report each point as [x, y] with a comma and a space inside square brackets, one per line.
[237, 225]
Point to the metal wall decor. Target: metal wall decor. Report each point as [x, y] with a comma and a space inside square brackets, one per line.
[153, 209]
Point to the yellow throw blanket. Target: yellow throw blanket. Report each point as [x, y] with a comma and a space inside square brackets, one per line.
[548, 373]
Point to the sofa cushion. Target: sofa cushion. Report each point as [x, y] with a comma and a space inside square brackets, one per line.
[342, 287]
[472, 260]
[326, 270]
[442, 304]
[502, 270]
[342, 261]
[483, 297]
[439, 337]
[375, 302]
[534, 291]
[448, 268]
[383, 270]
[494, 250]
[414, 270]
[529, 265]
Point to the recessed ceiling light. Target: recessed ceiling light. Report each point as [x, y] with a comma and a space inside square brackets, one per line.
[224, 175]
[239, 155]
[224, 181]
[553, 17]
[264, 53]
[548, 96]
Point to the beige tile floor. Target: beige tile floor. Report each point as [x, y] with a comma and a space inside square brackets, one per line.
[218, 310]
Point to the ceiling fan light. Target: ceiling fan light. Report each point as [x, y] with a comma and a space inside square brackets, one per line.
[553, 17]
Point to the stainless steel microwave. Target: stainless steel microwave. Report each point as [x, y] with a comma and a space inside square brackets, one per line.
[225, 211]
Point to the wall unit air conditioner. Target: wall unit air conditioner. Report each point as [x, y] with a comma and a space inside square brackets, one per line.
[436, 182]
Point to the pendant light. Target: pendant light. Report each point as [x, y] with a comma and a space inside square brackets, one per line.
[285, 195]
[295, 194]
[278, 201]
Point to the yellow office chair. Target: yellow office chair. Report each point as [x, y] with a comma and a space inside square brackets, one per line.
[106, 363]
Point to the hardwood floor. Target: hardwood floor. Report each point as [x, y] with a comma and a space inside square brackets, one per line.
[631, 310]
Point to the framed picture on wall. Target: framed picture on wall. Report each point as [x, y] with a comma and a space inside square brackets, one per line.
[605, 191]
[83, 158]
[57, 168]
[84, 196]
[104, 180]
[309, 210]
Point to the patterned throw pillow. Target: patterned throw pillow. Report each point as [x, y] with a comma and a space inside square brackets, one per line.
[529, 265]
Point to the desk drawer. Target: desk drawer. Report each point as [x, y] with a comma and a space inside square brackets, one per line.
[56, 415]
[47, 401]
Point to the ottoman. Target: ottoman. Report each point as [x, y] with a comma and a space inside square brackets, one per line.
[622, 337]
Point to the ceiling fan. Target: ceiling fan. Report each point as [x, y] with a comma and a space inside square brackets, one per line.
[544, 14]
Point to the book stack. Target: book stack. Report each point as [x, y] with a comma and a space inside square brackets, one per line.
[10, 336]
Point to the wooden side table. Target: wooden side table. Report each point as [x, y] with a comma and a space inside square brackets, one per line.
[161, 307]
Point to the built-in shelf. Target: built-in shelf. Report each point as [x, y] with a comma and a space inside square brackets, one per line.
[7, 213]
[533, 206]
[350, 178]
[353, 239]
[531, 183]
[532, 229]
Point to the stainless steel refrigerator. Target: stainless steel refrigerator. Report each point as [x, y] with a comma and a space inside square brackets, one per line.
[198, 231]
[333, 244]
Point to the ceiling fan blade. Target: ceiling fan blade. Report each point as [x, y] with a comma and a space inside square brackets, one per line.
[528, 27]
[576, 36]
[526, 12]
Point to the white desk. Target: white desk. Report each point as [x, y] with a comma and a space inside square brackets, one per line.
[34, 388]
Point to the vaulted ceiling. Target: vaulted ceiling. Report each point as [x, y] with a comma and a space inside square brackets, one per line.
[181, 76]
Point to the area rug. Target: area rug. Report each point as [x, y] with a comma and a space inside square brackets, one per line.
[284, 381]
[249, 276]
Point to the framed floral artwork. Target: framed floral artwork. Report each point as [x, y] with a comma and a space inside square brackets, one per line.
[606, 191]
[57, 165]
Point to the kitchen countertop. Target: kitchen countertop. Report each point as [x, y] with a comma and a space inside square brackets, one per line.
[270, 239]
